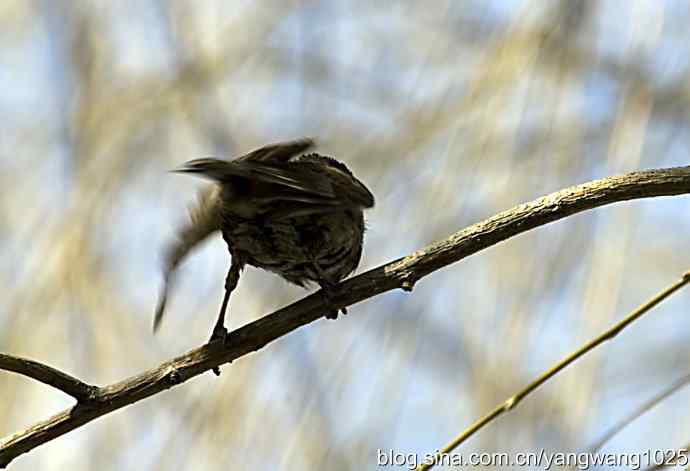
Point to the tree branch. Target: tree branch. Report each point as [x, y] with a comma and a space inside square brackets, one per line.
[402, 273]
[641, 410]
[515, 399]
[79, 390]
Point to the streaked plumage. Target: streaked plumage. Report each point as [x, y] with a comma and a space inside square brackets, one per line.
[299, 216]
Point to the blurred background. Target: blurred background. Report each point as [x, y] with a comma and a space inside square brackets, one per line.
[450, 111]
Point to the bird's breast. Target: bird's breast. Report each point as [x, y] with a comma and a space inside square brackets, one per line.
[300, 249]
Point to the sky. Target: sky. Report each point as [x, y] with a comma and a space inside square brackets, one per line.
[450, 112]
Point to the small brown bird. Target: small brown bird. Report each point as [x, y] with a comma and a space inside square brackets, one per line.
[297, 215]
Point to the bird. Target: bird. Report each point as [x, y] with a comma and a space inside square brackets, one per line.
[280, 209]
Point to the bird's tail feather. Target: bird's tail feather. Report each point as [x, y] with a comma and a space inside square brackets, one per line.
[203, 221]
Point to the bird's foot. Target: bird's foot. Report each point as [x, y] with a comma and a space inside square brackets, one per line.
[327, 288]
[334, 314]
[219, 333]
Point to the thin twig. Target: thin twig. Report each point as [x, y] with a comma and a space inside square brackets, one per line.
[402, 273]
[513, 401]
[637, 413]
[76, 388]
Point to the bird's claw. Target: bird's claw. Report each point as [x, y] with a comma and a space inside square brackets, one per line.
[219, 333]
[334, 314]
[328, 295]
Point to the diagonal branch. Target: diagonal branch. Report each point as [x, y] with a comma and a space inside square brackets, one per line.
[402, 273]
[79, 390]
[677, 385]
[514, 400]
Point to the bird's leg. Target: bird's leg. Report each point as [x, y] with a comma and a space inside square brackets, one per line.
[327, 287]
[219, 330]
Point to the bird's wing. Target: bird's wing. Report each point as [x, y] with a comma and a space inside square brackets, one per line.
[279, 152]
[297, 210]
[282, 180]
[264, 164]
[295, 178]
